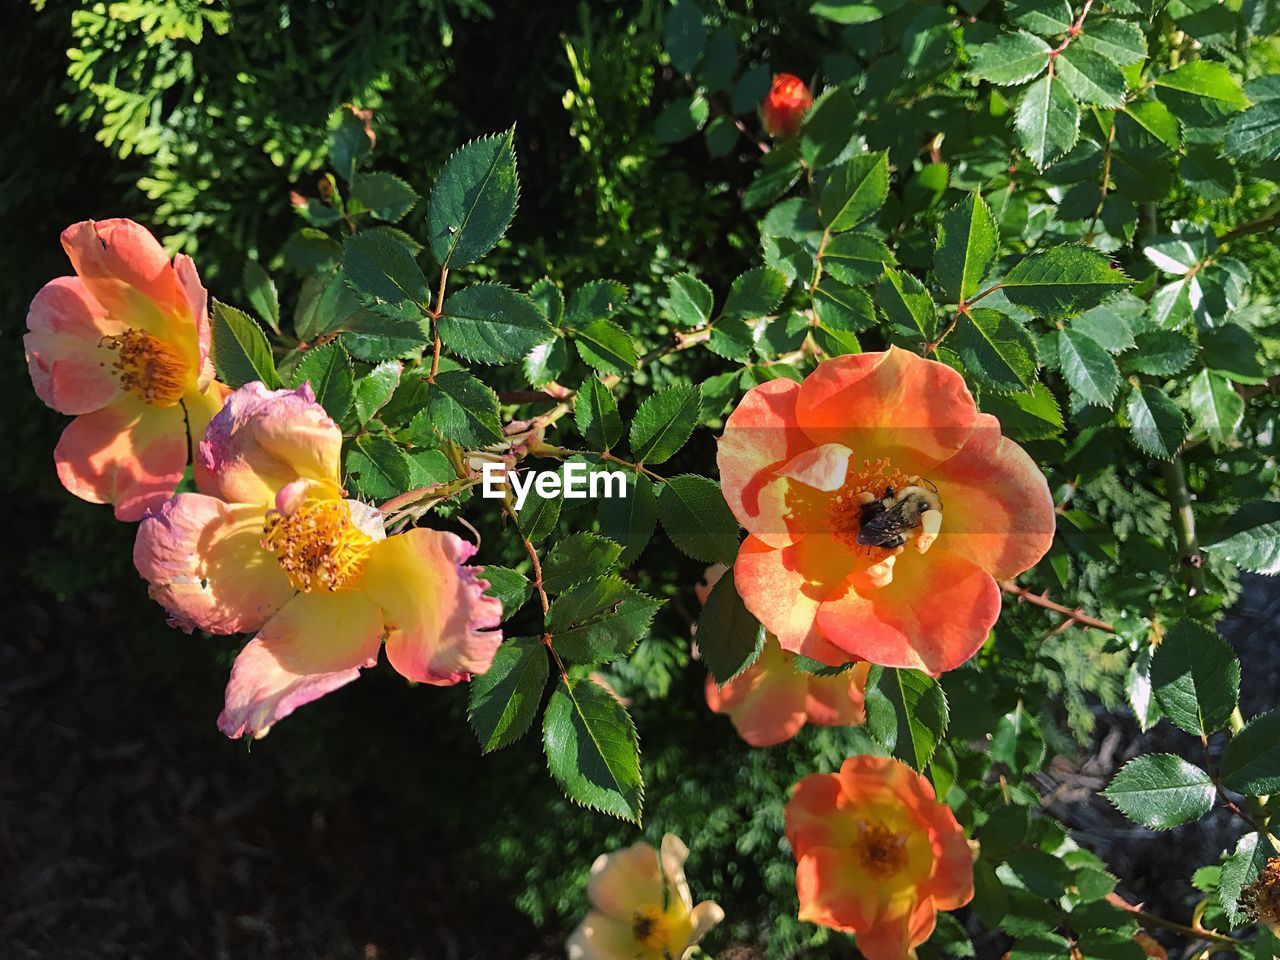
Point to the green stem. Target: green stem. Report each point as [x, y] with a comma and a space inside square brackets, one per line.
[1184, 522]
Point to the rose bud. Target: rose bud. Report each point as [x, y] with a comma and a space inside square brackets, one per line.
[785, 106]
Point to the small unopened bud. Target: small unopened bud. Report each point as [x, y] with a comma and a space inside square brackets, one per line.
[785, 106]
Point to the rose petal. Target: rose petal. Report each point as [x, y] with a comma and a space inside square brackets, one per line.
[70, 369]
[766, 702]
[624, 880]
[127, 271]
[599, 937]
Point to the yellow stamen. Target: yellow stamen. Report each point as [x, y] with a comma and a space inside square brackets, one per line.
[869, 482]
[148, 367]
[318, 545]
[879, 850]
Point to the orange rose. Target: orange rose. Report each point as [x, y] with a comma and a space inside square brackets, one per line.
[785, 106]
[877, 855]
[771, 700]
[836, 477]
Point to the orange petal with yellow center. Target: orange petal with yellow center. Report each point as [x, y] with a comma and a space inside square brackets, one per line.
[894, 404]
[70, 368]
[129, 273]
[766, 702]
[441, 629]
[128, 454]
[997, 508]
[316, 643]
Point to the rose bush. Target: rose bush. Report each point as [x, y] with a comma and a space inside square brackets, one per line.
[960, 370]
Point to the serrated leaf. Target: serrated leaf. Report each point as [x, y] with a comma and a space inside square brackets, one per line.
[1088, 368]
[1161, 353]
[1156, 119]
[592, 749]
[1216, 408]
[462, 409]
[385, 276]
[385, 195]
[546, 362]
[631, 520]
[1120, 41]
[1110, 324]
[597, 300]
[689, 299]
[490, 323]
[260, 291]
[596, 414]
[1251, 538]
[240, 350]
[539, 515]
[755, 293]
[855, 258]
[607, 347]
[504, 700]
[906, 303]
[381, 469]
[827, 127]
[840, 307]
[1161, 791]
[920, 710]
[577, 558]
[599, 620]
[328, 370]
[1032, 415]
[967, 240]
[474, 200]
[1045, 17]
[1139, 692]
[697, 519]
[855, 192]
[1253, 852]
[374, 389]
[1010, 58]
[729, 637]
[1155, 422]
[1204, 78]
[373, 338]
[1254, 136]
[664, 422]
[325, 304]
[1251, 763]
[510, 586]
[1091, 77]
[997, 350]
[1062, 281]
[1196, 678]
[1047, 120]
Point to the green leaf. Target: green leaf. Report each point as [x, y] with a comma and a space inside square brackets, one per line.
[578, 558]
[631, 520]
[381, 469]
[1120, 41]
[1045, 17]
[827, 127]
[607, 347]
[997, 350]
[1204, 78]
[385, 195]
[681, 119]
[490, 323]
[855, 258]
[240, 350]
[685, 35]
[664, 422]
[1161, 791]
[260, 291]
[463, 409]
[373, 338]
[539, 515]
[1240, 871]
[1216, 408]
[1047, 120]
[1251, 538]
[697, 519]
[855, 11]
[599, 620]
[596, 414]
[384, 276]
[1155, 422]
[474, 200]
[546, 362]
[967, 240]
[1033, 415]
[689, 300]
[1088, 368]
[325, 304]
[841, 307]
[597, 300]
[592, 749]
[328, 370]
[510, 586]
[729, 637]
[1010, 58]
[755, 293]
[1060, 282]
[1161, 353]
[906, 303]
[919, 709]
[1110, 324]
[855, 192]
[1091, 77]
[1196, 678]
[1156, 119]
[350, 141]
[375, 388]
[1251, 763]
[1254, 136]
[504, 700]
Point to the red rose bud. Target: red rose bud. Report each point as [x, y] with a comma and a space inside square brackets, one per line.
[785, 106]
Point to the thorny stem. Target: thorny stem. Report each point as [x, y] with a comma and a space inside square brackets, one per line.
[1151, 920]
[1073, 31]
[1106, 180]
[435, 326]
[532, 551]
[962, 309]
[1264, 223]
[1184, 522]
[1075, 615]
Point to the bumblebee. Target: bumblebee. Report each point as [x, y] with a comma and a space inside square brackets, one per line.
[890, 520]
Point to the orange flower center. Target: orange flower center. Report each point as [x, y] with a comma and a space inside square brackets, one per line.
[880, 851]
[650, 929]
[148, 367]
[868, 483]
[318, 546]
